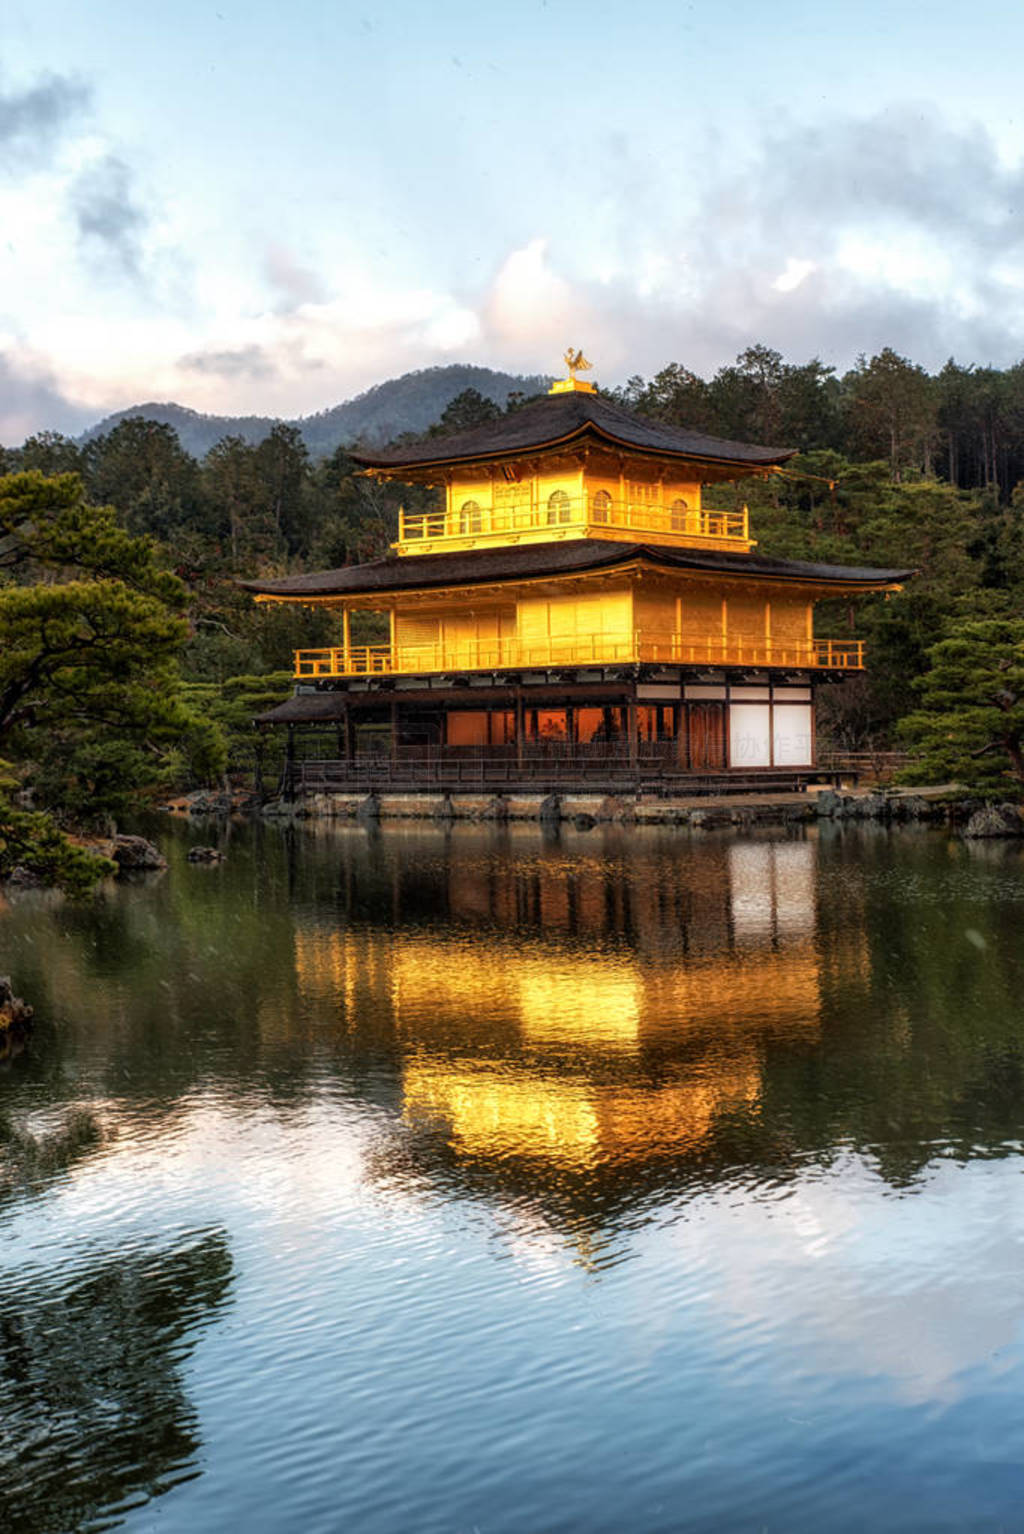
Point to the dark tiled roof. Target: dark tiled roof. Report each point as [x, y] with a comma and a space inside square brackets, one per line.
[476, 567]
[563, 417]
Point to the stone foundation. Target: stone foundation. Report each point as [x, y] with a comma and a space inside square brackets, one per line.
[585, 811]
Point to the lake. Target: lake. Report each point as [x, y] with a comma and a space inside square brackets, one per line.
[481, 1181]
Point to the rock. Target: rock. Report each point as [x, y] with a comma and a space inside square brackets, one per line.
[15, 1021]
[496, 808]
[611, 808]
[277, 809]
[23, 878]
[203, 803]
[711, 820]
[827, 802]
[551, 809]
[205, 855]
[14, 1013]
[369, 809]
[134, 854]
[995, 820]
[445, 809]
[909, 807]
[584, 822]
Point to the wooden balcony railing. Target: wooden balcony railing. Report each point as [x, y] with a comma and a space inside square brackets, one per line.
[583, 650]
[573, 513]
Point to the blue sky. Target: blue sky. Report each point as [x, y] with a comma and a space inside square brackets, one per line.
[266, 208]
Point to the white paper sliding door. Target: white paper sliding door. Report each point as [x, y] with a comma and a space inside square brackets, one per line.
[793, 735]
[750, 742]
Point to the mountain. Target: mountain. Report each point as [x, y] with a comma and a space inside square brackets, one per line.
[413, 403]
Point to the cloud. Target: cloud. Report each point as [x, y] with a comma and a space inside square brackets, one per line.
[826, 241]
[239, 362]
[109, 223]
[295, 283]
[31, 119]
[31, 399]
[894, 229]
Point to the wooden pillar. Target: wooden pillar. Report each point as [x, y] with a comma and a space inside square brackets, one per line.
[394, 730]
[348, 740]
[631, 723]
[346, 640]
[814, 725]
[520, 727]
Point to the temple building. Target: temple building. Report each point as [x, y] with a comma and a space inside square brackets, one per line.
[575, 612]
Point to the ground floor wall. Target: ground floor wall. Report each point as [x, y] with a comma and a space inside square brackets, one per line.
[562, 732]
[699, 726]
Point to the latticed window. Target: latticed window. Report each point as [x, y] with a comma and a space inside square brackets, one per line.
[677, 515]
[559, 507]
[470, 517]
[601, 506]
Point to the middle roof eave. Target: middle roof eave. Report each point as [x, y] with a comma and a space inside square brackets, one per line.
[477, 567]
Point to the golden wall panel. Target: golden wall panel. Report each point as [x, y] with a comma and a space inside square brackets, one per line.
[701, 614]
[790, 618]
[746, 616]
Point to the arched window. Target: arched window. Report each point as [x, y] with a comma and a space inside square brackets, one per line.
[470, 517]
[559, 509]
[677, 515]
[601, 506]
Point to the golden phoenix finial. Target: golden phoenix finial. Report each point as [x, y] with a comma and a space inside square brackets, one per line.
[576, 362]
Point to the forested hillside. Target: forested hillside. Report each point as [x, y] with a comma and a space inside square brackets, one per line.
[896, 467]
[410, 403]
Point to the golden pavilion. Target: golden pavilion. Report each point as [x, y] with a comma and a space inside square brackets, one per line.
[573, 614]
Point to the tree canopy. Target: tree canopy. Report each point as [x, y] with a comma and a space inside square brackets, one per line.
[969, 727]
[91, 627]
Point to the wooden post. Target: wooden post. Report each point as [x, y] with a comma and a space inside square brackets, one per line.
[519, 727]
[348, 749]
[346, 641]
[394, 731]
[631, 731]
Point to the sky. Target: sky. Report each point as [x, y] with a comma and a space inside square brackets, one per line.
[267, 209]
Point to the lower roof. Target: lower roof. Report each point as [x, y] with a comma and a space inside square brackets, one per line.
[476, 567]
[330, 707]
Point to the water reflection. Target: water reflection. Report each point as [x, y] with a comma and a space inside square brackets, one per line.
[568, 1016]
[95, 1415]
[660, 1003]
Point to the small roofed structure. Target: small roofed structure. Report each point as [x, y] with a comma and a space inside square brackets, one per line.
[572, 614]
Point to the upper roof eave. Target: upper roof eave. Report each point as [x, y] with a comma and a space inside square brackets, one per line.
[560, 420]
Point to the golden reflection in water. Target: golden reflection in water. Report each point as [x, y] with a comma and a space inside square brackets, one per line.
[569, 1013]
[499, 1111]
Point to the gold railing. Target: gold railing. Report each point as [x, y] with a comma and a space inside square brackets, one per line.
[574, 513]
[584, 650]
